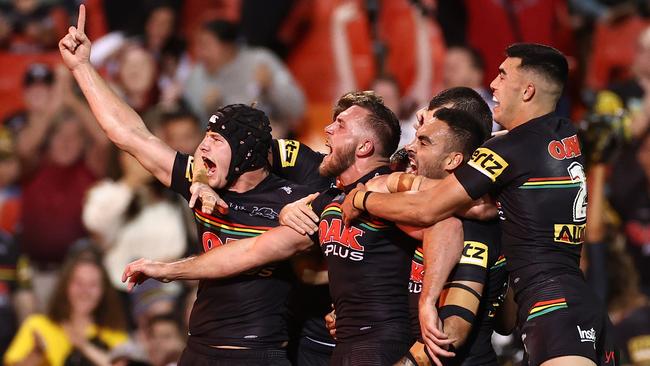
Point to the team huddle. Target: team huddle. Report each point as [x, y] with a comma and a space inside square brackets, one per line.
[414, 258]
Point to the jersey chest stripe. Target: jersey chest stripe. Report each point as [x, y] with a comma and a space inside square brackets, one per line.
[335, 210]
[231, 228]
[207, 218]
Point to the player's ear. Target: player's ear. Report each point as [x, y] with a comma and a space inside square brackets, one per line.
[529, 92]
[366, 148]
[454, 160]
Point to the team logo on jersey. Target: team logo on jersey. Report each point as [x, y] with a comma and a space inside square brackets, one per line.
[266, 212]
[475, 253]
[288, 152]
[286, 189]
[569, 233]
[341, 241]
[488, 163]
[565, 149]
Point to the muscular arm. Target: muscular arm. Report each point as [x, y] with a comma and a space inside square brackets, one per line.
[120, 122]
[423, 208]
[456, 327]
[223, 261]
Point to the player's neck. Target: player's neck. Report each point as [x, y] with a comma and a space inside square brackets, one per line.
[249, 180]
[529, 113]
[360, 168]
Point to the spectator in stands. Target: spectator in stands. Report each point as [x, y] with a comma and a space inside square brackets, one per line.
[181, 130]
[83, 323]
[28, 26]
[165, 340]
[386, 87]
[464, 66]
[9, 189]
[62, 151]
[135, 80]
[629, 309]
[229, 72]
[130, 215]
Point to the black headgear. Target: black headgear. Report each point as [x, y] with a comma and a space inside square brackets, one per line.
[248, 133]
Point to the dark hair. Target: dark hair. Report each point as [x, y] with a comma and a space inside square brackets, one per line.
[181, 114]
[467, 131]
[381, 120]
[108, 313]
[544, 60]
[224, 30]
[465, 99]
[475, 56]
[164, 318]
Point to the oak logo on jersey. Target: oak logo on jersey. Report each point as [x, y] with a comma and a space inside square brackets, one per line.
[565, 149]
[488, 163]
[475, 253]
[341, 241]
[288, 152]
[211, 240]
[569, 233]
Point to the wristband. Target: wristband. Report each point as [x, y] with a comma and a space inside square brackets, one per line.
[359, 200]
[415, 186]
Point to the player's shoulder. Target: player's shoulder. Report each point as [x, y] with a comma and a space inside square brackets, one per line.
[285, 190]
[286, 153]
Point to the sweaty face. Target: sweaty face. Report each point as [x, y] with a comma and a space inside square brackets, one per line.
[508, 88]
[215, 154]
[428, 153]
[343, 135]
[85, 288]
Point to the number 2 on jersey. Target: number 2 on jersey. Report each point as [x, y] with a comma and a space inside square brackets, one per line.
[577, 174]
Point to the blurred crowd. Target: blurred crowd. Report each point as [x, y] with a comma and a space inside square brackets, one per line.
[74, 210]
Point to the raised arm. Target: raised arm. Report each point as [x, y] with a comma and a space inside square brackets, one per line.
[227, 260]
[120, 122]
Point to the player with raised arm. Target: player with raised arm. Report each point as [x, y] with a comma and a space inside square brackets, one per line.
[237, 320]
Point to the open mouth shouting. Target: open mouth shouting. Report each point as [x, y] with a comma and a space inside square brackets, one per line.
[210, 166]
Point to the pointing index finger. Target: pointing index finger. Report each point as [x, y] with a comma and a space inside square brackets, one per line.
[81, 21]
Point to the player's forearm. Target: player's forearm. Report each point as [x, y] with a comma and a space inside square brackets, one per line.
[442, 246]
[423, 208]
[239, 256]
[118, 120]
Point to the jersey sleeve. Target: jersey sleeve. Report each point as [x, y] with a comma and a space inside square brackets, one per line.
[490, 167]
[182, 175]
[298, 163]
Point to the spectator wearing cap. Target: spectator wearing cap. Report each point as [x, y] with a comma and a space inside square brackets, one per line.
[62, 152]
[229, 73]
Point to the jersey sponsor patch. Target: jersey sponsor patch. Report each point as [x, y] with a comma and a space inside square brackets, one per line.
[569, 233]
[566, 148]
[189, 168]
[488, 163]
[475, 253]
[288, 152]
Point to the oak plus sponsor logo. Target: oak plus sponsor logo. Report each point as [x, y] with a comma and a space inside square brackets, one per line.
[569, 233]
[566, 148]
[340, 241]
[488, 163]
[586, 335]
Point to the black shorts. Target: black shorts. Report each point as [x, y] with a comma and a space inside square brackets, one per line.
[563, 317]
[312, 353]
[369, 353]
[200, 355]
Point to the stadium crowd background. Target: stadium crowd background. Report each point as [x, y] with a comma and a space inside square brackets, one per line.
[74, 211]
